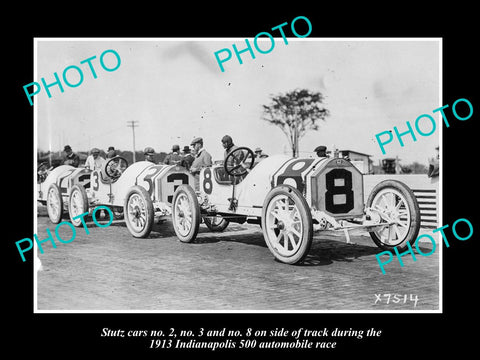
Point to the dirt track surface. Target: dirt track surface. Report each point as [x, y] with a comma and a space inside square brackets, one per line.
[234, 270]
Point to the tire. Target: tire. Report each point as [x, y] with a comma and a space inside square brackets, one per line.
[54, 204]
[216, 224]
[185, 213]
[138, 212]
[297, 234]
[77, 204]
[396, 201]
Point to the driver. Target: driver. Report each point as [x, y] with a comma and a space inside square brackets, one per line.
[229, 146]
[70, 158]
[149, 154]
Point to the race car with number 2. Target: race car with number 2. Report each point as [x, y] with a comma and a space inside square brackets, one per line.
[141, 193]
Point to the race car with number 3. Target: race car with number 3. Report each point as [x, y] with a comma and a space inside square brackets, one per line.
[141, 192]
[291, 198]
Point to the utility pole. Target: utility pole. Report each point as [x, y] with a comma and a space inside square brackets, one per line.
[133, 124]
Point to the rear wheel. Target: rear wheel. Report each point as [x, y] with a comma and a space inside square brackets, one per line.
[185, 213]
[287, 224]
[394, 202]
[138, 211]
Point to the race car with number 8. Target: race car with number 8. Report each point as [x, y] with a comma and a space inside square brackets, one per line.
[291, 198]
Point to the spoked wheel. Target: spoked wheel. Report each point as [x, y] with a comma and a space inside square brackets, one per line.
[138, 211]
[287, 224]
[54, 204]
[394, 203]
[77, 204]
[185, 213]
[216, 223]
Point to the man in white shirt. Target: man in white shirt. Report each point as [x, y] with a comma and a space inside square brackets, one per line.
[94, 160]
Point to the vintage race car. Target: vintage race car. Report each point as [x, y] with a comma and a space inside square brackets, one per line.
[141, 193]
[54, 188]
[293, 197]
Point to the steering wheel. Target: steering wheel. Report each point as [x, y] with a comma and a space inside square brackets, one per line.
[115, 167]
[239, 161]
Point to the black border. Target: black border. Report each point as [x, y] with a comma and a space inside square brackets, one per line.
[80, 333]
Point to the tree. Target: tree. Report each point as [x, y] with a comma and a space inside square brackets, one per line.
[295, 113]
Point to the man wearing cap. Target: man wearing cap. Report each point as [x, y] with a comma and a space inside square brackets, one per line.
[187, 158]
[71, 158]
[321, 151]
[202, 157]
[111, 152]
[259, 155]
[94, 160]
[174, 158]
[149, 154]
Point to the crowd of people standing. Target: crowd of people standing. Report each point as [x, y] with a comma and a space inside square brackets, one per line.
[193, 157]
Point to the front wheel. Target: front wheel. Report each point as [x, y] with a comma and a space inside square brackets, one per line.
[185, 213]
[77, 204]
[394, 202]
[287, 224]
[138, 211]
[54, 204]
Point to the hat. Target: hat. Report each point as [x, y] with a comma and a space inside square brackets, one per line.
[110, 148]
[149, 151]
[67, 147]
[258, 149]
[175, 148]
[320, 148]
[197, 140]
[186, 149]
[95, 150]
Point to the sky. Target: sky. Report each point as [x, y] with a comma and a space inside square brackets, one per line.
[176, 91]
